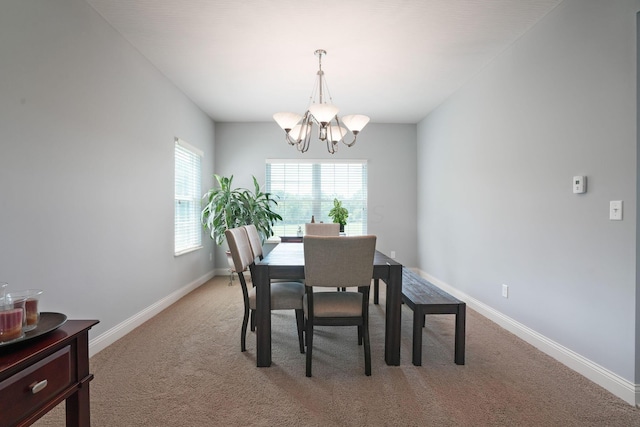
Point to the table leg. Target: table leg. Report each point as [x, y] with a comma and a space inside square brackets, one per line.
[394, 316]
[376, 290]
[460, 334]
[263, 315]
[77, 405]
[418, 324]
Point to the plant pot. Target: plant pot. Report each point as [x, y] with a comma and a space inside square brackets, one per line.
[342, 228]
[232, 266]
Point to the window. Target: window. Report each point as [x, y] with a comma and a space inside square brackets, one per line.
[188, 232]
[306, 188]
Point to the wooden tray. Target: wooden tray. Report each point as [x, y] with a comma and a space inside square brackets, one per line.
[48, 322]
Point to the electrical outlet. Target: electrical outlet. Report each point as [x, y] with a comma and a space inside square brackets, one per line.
[210, 256]
[393, 254]
[505, 291]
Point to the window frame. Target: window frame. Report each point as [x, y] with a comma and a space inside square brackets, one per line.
[193, 237]
[318, 204]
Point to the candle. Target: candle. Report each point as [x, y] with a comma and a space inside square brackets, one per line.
[10, 324]
[31, 307]
[29, 300]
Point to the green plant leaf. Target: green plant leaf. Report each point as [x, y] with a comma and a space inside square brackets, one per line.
[226, 207]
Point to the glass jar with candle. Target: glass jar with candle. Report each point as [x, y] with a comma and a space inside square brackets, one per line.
[11, 318]
[31, 298]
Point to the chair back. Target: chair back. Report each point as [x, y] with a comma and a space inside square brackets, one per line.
[321, 229]
[254, 240]
[240, 248]
[339, 261]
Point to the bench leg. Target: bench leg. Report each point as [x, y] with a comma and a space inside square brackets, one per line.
[418, 320]
[460, 333]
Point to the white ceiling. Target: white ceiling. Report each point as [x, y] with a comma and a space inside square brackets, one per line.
[393, 60]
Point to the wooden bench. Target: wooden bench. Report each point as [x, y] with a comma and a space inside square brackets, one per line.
[425, 298]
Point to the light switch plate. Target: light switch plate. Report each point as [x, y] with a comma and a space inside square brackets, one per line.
[615, 210]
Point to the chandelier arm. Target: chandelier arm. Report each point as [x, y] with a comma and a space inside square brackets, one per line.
[289, 140]
[331, 147]
[352, 143]
[307, 122]
[304, 146]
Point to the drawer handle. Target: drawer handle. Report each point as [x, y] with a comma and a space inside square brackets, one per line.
[39, 386]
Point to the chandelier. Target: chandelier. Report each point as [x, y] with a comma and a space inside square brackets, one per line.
[331, 128]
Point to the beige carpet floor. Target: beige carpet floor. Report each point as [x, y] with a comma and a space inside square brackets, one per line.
[184, 368]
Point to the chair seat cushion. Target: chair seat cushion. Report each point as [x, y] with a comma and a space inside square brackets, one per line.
[284, 296]
[335, 304]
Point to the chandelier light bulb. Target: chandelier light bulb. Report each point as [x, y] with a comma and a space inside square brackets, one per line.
[336, 133]
[300, 132]
[355, 122]
[287, 120]
[323, 113]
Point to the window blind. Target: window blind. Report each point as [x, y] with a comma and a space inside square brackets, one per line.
[188, 176]
[308, 188]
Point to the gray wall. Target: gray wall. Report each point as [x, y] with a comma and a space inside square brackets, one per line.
[86, 165]
[241, 150]
[495, 202]
[637, 198]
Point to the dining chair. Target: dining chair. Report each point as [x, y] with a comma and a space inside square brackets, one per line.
[254, 241]
[338, 262]
[284, 295]
[256, 248]
[321, 229]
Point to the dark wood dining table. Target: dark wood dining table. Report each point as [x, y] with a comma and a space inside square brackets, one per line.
[286, 261]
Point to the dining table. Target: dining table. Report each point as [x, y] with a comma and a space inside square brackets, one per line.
[286, 261]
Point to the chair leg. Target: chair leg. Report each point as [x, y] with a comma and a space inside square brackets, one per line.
[243, 332]
[309, 339]
[367, 351]
[359, 335]
[300, 324]
[253, 320]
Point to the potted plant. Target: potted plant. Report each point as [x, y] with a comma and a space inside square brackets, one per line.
[228, 207]
[339, 214]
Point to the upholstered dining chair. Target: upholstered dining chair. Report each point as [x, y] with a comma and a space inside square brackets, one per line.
[255, 241]
[256, 248]
[284, 295]
[321, 229]
[341, 262]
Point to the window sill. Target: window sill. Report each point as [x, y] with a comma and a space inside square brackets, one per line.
[186, 251]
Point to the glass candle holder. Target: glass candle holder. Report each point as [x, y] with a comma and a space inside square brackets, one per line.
[31, 299]
[11, 319]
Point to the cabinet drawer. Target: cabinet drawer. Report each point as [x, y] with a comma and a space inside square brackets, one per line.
[27, 390]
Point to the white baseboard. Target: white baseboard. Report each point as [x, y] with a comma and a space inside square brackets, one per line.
[107, 338]
[624, 389]
[221, 271]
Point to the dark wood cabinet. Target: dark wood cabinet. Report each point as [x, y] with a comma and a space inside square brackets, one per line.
[38, 374]
[291, 239]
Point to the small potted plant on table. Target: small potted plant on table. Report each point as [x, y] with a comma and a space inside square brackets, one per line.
[339, 214]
